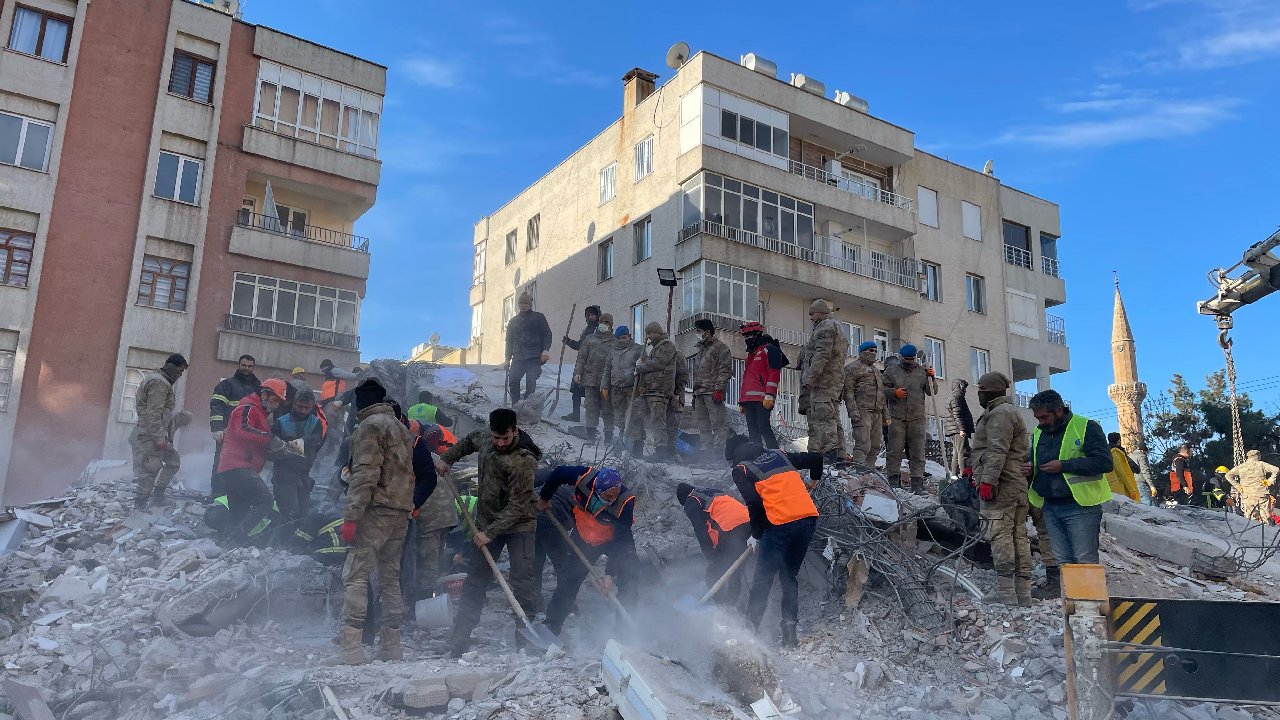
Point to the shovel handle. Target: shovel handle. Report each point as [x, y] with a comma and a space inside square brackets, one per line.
[727, 574]
[595, 577]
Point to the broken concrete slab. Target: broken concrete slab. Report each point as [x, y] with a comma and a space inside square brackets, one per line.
[27, 701]
[1185, 548]
[12, 533]
[33, 517]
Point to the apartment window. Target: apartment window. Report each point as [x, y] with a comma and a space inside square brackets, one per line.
[980, 361]
[292, 220]
[754, 209]
[477, 263]
[638, 312]
[928, 200]
[753, 133]
[311, 108]
[608, 183]
[713, 287]
[1017, 244]
[476, 315]
[192, 77]
[975, 293]
[7, 358]
[606, 260]
[1048, 246]
[932, 281]
[15, 257]
[644, 158]
[881, 338]
[853, 333]
[531, 231]
[643, 231]
[972, 217]
[294, 303]
[935, 356]
[178, 178]
[164, 283]
[25, 142]
[133, 377]
[508, 309]
[40, 33]
[510, 255]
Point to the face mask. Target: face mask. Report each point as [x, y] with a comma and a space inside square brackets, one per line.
[985, 397]
[605, 329]
[595, 504]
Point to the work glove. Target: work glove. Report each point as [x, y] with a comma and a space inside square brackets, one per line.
[217, 435]
[604, 393]
[348, 531]
[717, 397]
[413, 514]
[987, 492]
[768, 402]
[753, 543]
[929, 371]
[163, 445]
[900, 393]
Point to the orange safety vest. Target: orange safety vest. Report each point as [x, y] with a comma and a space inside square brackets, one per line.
[448, 439]
[596, 529]
[723, 514]
[781, 488]
[330, 389]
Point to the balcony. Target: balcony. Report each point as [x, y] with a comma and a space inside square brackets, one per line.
[1056, 329]
[310, 232]
[294, 333]
[852, 186]
[1049, 266]
[294, 151]
[264, 237]
[787, 335]
[1015, 255]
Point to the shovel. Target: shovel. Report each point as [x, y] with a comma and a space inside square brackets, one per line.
[691, 606]
[538, 635]
[595, 577]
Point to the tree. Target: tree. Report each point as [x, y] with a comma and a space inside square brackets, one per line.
[1202, 420]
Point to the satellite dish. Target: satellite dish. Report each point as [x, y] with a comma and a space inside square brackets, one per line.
[677, 55]
[434, 339]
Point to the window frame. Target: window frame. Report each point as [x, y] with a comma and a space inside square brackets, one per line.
[920, 194]
[978, 369]
[477, 319]
[8, 360]
[510, 247]
[975, 293]
[605, 250]
[349, 102]
[637, 323]
[508, 309]
[935, 349]
[936, 293]
[195, 60]
[739, 281]
[45, 17]
[642, 240]
[533, 232]
[178, 283]
[22, 143]
[9, 250]
[608, 182]
[133, 379]
[644, 159]
[964, 225]
[478, 261]
[880, 337]
[177, 181]
[277, 286]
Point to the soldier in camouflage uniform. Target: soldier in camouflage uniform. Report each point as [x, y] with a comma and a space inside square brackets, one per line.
[155, 461]
[906, 384]
[619, 379]
[593, 355]
[999, 448]
[1253, 480]
[656, 379]
[822, 381]
[712, 369]
[864, 403]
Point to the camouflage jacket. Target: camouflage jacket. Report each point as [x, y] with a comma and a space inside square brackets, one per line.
[593, 357]
[620, 371]
[712, 367]
[656, 372]
[863, 388]
[154, 404]
[1252, 477]
[822, 362]
[506, 500]
[1000, 446]
[918, 385]
[381, 463]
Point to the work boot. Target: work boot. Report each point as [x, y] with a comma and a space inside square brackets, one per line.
[608, 436]
[572, 416]
[1004, 594]
[459, 644]
[1022, 587]
[789, 638]
[592, 433]
[352, 652]
[159, 499]
[1052, 588]
[389, 649]
[140, 503]
[917, 486]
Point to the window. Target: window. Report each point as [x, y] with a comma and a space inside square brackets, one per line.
[1024, 313]
[292, 220]
[608, 182]
[477, 263]
[1017, 244]
[975, 293]
[753, 133]
[40, 33]
[531, 232]
[510, 255]
[881, 338]
[928, 200]
[133, 378]
[754, 209]
[980, 361]
[1048, 246]
[972, 220]
[192, 77]
[294, 303]
[853, 333]
[606, 260]
[508, 309]
[643, 239]
[164, 283]
[932, 281]
[311, 108]
[644, 158]
[178, 178]
[15, 257]
[713, 287]
[638, 312]
[476, 316]
[7, 358]
[24, 142]
[935, 356]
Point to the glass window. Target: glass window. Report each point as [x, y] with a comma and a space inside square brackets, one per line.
[24, 142]
[932, 282]
[935, 356]
[644, 158]
[691, 211]
[980, 362]
[643, 231]
[133, 378]
[477, 265]
[15, 257]
[191, 77]
[928, 200]
[606, 260]
[476, 319]
[163, 283]
[608, 180]
[510, 255]
[972, 216]
[780, 143]
[722, 289]
[531, 232]
[7, 358]
[40, 33]
[1016, 235]
[975, 292]
[746, 130]
[289, 303]
[178, 178]
[508, 309]
[764, 138]
[728, 125]
[314, 109]
[1048, 246]
[638, 312]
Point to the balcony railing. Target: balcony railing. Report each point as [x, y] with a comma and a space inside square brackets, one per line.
[284, 331]
[1050, 266]
[1015, 255]
[786, 335]
[829, 251]
[1057, 329]
[851, 185]
[309, 232]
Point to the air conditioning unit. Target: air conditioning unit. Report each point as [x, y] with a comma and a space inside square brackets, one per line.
[808, 84]
[851, 101]
[751, 61]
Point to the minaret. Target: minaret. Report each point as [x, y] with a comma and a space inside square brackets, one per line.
[1128, 392]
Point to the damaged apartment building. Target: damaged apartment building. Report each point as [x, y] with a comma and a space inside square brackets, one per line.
[172, 179]
[763, 195]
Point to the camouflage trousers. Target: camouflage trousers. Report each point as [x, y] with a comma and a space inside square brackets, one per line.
[1006, 518]
[649, 412]
[597, 407]
[1042, 537]
[824, 427]
[152, 468]
[909, 434]
[1256, 506]
[708, 416]
[430, 548]
[620, 402]
[379, 541]
[868, 436]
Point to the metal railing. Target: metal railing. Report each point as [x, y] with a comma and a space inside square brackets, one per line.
[1015, 255]
[1050, 266]
[271, 328]
[271, 224]
[786, 335]
[1057, 329]
[851, 185]
[829, 251]
[1021, 399]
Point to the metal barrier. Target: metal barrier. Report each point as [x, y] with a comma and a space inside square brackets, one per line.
[1015, 255]
[853, 186]
[270, 328]
[270, 224]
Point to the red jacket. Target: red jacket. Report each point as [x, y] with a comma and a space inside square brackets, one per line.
[248, 437]
[760, 377]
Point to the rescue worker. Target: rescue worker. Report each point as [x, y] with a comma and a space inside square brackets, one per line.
[675, 413]
[588, 373]
[603, 515]
[226, 395]
[959, 427]
[712, 370]
[155, 460]
[1069, 456]
[619, 380]
[1219, 490]
[999, 450]
[760, 376]
[505, 517]
[906, 384]
[528, 343]
[291, 481]
[592, 316]
[334, 386]
[783, 521]
[1121, 479]
[1253, 479]
[380, 492]
[425, 412]
[298, 380]
[245, 450]
[822, 381]
[436, 518]
[722, 525]
[655, 377]
[864, 401]
[1181, 480]
[548, 543]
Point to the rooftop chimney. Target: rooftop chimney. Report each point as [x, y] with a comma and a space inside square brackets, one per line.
[638, 84]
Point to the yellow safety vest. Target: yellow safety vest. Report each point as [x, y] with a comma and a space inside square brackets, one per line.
[1086, 490]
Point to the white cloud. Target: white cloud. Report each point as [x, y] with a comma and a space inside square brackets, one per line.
[431, 72]
[1231, 47]
[1213, 34]
[1127, 118]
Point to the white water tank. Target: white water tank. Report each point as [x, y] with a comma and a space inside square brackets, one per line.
[851, 101]
[752, 61]
[808, 84]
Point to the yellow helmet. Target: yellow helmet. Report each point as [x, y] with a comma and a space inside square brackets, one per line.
[1222, 469]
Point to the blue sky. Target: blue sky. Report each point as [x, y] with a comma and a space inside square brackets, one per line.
[1151, 122]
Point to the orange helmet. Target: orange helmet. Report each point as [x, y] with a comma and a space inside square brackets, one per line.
[750, 327]
[277, 386]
